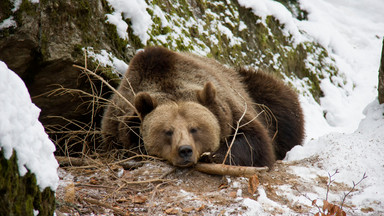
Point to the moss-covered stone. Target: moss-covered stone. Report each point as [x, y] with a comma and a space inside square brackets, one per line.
[20, 195]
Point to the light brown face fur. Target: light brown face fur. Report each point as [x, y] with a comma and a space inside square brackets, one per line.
[180, 132]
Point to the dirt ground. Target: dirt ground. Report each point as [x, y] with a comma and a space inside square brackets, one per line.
[156, 188]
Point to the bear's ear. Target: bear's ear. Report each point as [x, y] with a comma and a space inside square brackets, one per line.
[207, 95]
[144, 104]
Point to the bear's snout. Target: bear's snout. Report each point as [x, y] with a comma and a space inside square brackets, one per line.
[185, 152]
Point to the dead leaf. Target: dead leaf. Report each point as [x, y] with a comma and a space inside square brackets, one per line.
[188, 209]
[333, 209]
[314, 202]
[253, 183]
[171, 211]
[340, 212]
[325, 205]
[139, 199]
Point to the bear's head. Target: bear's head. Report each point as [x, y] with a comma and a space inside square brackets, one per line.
[179, 132]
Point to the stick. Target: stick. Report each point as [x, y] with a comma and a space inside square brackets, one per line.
[222, 169]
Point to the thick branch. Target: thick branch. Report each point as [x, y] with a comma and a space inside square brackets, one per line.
[222, 169]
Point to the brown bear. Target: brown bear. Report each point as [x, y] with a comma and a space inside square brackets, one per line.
[180, 106]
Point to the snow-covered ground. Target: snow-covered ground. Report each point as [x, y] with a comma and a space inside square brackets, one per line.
[352, 32]
[20, 130]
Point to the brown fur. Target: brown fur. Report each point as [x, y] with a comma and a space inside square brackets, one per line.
[195, 102]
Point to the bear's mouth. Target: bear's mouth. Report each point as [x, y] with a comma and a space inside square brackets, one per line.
[183, 164]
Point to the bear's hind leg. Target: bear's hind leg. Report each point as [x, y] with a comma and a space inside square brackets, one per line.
[283, 102]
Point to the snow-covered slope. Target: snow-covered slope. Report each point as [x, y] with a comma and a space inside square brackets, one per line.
[20, 130]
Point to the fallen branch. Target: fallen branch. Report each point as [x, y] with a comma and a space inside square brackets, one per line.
[222, 169]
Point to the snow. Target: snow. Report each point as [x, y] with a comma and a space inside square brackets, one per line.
[105, 59]
[350, 138]
[352, 32]
[134, 10]
[121, 26]
[7, 23]
[352, 154]
[20, 130]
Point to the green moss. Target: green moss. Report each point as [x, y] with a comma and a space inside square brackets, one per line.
[20, 195]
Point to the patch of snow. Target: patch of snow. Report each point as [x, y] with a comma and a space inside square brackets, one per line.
[20, 130]
[7, 23]
[242, 26]
[159, 13]
[135, 10]
[121, 26]
[108, 59]
[35, 212]
[352, 33]
[16, 5]
[353, 155]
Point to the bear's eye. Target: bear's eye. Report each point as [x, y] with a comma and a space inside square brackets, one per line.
[193, 130]
[169, 133]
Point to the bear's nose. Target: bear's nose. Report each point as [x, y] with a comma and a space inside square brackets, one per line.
[185, 151]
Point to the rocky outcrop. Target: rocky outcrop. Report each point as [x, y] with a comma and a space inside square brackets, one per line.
[381, 77]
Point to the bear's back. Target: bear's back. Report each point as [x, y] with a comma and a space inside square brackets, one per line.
[168, 75]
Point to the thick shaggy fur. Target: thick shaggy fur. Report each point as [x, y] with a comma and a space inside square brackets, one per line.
[184, 100]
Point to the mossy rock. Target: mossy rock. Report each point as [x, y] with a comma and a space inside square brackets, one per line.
[20, 195]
